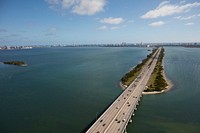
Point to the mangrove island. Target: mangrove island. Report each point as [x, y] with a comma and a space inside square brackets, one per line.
[17, 63]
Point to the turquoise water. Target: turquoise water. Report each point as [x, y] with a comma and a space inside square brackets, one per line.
[63, 89]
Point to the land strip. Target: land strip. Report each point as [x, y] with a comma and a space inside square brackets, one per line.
[129, 77]
[117, 116]
[158, 82]
[17, 63]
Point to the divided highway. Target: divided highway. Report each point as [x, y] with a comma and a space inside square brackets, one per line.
[117, 116]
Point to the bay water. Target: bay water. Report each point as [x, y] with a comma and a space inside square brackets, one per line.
[65, 89]
[177, 111]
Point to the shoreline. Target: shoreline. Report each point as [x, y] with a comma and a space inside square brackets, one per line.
[123, 87]
[169, 84]
[168, 88]
[15, 63]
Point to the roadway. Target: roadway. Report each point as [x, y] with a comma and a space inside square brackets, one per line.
[116, 117]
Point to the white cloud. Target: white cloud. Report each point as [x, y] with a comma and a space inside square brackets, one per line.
[188, 24]
[157, 24]
[198, 15]
[163, 3]
[185, 18]
[89, 7]
[111, 20]
[81, 7]
[102, 28]
[166, 9]
[183, 1]
[68, 3]
[178, 17]
[114, 28]
[53, 1]
[130, 21]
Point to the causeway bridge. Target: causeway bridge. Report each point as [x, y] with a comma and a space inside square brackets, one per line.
[119, 113]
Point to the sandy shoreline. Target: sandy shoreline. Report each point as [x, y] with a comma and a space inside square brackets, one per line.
[123, 87]
[169, 83]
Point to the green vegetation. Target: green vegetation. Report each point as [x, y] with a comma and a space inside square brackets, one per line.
[17, 63]
[157, 81]
[129, 77]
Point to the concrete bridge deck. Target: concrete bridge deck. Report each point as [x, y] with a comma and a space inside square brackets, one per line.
[117, 116]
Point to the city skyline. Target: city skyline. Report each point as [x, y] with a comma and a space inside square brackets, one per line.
[46, 22]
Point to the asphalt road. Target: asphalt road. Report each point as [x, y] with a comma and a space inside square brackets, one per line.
[117, 116]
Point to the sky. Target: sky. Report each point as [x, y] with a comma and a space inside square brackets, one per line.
[47, 22]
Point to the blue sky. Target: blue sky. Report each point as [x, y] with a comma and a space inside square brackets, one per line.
[42, 22]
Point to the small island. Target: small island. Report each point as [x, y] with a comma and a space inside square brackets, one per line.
[158, 83]
[17, 63]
